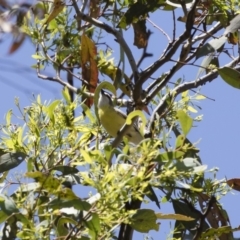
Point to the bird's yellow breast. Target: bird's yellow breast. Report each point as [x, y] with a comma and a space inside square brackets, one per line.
[111, 120]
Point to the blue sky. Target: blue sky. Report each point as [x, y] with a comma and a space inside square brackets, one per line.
[219, 132]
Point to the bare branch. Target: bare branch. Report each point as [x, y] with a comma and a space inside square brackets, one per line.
[183, 87]
[160, 29]
[58, 80]
[174, 25]
[172, 46]
[209, 33]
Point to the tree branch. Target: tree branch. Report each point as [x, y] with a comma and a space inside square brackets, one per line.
[112, 31]
[182, 88]
[173, 48]
[209, 33]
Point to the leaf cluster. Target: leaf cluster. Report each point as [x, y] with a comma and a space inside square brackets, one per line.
[65, 147]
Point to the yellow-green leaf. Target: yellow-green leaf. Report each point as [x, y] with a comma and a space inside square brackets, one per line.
[185, 121]
[86, 156]
[66, 95]
[58, 6]
[191, 109]
[136, 113]
[8, 117]
[174, 217]
[200, 97]
[46, 181]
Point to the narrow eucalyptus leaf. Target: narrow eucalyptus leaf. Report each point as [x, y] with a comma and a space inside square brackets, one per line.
[152, 196]
[233, 26]
[185, 121]
[65, 170]
[9, 161]
[211, 46]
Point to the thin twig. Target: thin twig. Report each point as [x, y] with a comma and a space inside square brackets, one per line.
[209, 33]
[174, 46]
[161, 30]
[174, 25]
[186, 86]
[112, 31]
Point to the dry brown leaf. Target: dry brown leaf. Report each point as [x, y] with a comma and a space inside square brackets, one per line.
[233, 38]
[16, 43]
[140, 34]
[216, 216]
[58, 6]
[89, 65]
[234, 183]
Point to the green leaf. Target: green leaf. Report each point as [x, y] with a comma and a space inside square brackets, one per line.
[3, 216]
[171, 155]
[88, 113]
[9, 161]
[62, 229]
[233, 26]
[136, 113]
[24, 219]
[20, 134]
[34, 126]
[183, 209]
[47, 181]
[144, 220]
[7, 205]
[185, 121]
[180, 141]
[65, 169]
[174, 217]
[230, 76]
[50, 110]
[8, 117]
[211, 46]
[93, 225]
[215, 233]
[205, 63]
[66, 95]
[3, 176]
[1, 151]
[188, 186]
[76, 203]
[133, 114]
[37, 57]
[86, 156]
[138, 11]
[108, 151]
[152, 195]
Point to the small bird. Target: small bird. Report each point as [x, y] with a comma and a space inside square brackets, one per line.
[113, 119]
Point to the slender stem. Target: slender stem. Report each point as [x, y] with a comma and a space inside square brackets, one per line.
[115, 33]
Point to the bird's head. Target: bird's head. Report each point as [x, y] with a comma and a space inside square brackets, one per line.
[104, 99]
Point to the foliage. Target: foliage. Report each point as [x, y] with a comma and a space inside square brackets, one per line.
[65, 147]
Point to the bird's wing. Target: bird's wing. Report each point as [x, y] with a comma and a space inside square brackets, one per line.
[122, 114]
